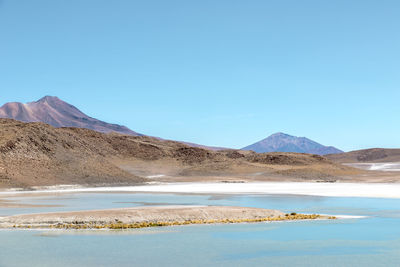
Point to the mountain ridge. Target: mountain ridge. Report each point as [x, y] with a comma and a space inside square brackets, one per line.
[282, 142]
[58, 113]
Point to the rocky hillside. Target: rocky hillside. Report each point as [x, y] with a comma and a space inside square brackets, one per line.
[38, 154]
[281, 142]
[35, 154]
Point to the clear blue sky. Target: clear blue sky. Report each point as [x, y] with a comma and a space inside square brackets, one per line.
[215, 72]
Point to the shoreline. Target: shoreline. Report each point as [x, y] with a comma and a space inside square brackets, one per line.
[376, 190]
[144, 217]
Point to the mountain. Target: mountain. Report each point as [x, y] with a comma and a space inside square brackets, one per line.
[37, 154]
[280, 142]
[54, 111]
[367, 155]
[57, 113]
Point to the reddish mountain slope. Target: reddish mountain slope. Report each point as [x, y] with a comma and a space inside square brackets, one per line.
[54, 111]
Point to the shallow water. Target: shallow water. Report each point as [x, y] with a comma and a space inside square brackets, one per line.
[386, 167]
[371, 241]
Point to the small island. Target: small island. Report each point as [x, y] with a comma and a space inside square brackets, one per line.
[141, 217]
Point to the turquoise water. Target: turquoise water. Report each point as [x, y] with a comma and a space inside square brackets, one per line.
[371, 241]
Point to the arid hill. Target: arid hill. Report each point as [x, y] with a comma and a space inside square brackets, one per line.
[367, 155]
[37, 154]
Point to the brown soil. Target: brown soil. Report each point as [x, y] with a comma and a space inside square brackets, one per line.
[36, 154]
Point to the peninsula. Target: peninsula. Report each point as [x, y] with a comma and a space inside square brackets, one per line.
[140, 217]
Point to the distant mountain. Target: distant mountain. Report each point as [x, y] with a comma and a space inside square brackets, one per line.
[281, 142]
[54, 111]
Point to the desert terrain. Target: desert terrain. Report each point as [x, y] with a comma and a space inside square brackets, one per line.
[37, 154]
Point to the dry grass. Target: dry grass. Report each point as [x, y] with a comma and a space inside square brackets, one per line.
[128, 218]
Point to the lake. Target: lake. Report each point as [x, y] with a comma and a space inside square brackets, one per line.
[370, 241]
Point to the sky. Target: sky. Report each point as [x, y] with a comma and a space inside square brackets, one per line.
[214, 72]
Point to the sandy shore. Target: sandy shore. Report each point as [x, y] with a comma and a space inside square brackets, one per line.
[140, 217]
[380, 190]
